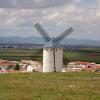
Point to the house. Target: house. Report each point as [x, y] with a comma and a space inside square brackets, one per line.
[80, 66]
[38, 65]
[5, 63]
[26, 61]
[97, 68]
[30, 68]
[64, 69]
[6, 66]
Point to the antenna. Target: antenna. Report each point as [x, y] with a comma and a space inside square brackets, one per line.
[43, 33]
[64, 34]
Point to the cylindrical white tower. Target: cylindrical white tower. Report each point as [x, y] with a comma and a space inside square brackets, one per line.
[52, 59]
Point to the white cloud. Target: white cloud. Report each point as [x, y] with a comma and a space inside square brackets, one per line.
[84, 20]
[30, 4]
[52, 16]
[98, 14]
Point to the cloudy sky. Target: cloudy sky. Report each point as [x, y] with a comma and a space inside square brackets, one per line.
[17, 17]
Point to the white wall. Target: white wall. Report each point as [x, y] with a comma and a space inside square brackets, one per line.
[59, 59]
[48, 60]
[29, 68]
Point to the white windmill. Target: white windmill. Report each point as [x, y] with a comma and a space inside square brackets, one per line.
[52, 51]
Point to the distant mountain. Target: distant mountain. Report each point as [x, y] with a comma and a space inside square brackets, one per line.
[16, 39]
[82, 42]
[39, 40]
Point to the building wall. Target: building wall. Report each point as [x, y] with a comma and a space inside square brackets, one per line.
[48, 60]
[29, 68]
[59, 59]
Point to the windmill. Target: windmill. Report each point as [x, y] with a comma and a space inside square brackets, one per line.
[52, 51]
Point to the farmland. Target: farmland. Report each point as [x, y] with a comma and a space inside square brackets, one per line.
[18, 54]
[50, 86]
[92, 55]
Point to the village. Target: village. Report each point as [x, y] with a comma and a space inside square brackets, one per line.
[25, 66]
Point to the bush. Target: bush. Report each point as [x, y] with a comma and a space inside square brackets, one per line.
[17, 67]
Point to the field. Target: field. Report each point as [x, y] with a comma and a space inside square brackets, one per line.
[92, 55]
[50, 86]
[18, 54]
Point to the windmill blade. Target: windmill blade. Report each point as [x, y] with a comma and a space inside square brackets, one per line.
[43, 33]
[36, 53]
[64, 34]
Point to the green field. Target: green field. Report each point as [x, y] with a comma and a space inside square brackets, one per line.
[19, 54]
[91, 55]
[50, 86]
[83, 55]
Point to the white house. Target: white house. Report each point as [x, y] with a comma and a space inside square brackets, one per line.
[64, 69]
[30, 68]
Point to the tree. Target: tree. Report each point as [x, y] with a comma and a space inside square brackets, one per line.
[17, 67]
[65, 59]
[9, 67]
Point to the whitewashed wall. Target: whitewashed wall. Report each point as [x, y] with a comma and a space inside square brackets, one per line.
[59, 59]
[48, 60]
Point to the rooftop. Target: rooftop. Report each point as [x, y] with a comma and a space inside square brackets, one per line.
[52, 44]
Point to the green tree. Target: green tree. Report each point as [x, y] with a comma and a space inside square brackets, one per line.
[9, 67]
[65, 60]
[17, 67]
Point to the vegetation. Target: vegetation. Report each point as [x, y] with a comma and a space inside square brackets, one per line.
[19, 54]
[82, 55]
[91, 55]
[50, 86]
[9, 67]
[17, 67]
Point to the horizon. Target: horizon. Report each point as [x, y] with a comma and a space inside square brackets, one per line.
[18, 18]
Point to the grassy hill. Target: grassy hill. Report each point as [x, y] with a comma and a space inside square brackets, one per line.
[50, 86]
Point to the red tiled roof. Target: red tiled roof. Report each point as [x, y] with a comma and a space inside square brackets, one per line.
[84, 63]
[97, 66]
[6, 63]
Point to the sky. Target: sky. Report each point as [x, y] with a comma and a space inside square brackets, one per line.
[18, 17]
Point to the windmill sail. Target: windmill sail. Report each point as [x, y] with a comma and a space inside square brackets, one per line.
[36, 53]
[43, 33]
[64, 34]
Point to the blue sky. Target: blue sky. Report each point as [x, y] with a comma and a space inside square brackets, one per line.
[17, 17]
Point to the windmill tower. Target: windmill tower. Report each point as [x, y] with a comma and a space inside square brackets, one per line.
[52, 51]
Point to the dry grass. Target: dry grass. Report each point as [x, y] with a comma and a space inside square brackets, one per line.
[50, 86]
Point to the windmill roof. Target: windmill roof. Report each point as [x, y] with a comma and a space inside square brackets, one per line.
[52, 44]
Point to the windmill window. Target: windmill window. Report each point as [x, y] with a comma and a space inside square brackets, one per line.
[51, 49]
[56, 49]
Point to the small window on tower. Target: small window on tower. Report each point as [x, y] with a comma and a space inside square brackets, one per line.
[56, 49]
[51, 49]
